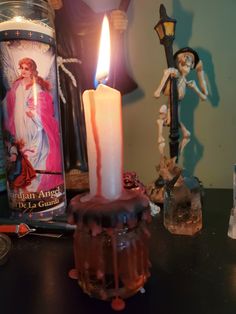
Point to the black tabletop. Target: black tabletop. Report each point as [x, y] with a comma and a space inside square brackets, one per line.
[188, 275]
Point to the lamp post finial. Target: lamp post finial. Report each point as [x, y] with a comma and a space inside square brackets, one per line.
[162, 11]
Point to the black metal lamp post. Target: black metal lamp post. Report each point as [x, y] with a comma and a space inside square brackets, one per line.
[165, 29]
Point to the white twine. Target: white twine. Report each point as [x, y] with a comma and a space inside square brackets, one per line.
[60, 64]
[154, 209]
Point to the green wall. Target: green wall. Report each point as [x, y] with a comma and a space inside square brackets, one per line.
[210, 28]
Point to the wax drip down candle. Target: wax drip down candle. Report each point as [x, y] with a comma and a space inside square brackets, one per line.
[111, 238]
[29, 99]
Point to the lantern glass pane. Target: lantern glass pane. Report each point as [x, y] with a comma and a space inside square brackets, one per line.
[169, 27]
[160, 32]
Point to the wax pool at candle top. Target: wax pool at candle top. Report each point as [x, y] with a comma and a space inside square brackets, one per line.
[99, 213]
[28, 25]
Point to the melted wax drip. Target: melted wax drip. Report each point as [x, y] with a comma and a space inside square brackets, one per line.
[117, 303]
[96, 140]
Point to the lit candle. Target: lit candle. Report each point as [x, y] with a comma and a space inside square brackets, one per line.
[31, 114]
[103, 119]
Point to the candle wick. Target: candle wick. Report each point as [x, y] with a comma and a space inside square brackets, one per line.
[102, 80]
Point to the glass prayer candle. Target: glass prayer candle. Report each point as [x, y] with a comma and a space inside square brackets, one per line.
[31, 123]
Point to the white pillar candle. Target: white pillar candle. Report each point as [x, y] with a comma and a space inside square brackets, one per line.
[103, 119]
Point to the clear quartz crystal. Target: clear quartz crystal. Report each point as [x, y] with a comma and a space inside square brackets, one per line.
[183, 210]
[232, 220]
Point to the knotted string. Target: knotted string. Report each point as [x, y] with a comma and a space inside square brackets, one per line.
[60, 64]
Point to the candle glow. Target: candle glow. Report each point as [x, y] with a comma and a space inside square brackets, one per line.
[18, 19]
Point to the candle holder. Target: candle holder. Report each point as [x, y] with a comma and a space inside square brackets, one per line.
[111, 245]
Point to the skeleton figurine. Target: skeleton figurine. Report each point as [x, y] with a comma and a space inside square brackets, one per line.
[186, 59]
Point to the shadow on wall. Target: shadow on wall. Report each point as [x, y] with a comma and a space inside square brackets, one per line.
[194, 150]
[131, 98]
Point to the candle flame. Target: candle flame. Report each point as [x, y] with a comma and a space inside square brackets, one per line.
[103, 64]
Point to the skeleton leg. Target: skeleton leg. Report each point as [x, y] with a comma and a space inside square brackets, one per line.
[161, 139]
[186, 137]
[182, 144]
[185, 132]
[160, 123]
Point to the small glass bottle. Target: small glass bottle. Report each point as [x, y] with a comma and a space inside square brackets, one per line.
[31, 124]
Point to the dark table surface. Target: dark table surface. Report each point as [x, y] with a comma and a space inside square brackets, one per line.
[188, 275]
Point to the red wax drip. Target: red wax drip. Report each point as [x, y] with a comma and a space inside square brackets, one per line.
[115, 267]
[96, 140]
[122, 144]
[73, 273]
[118, 304]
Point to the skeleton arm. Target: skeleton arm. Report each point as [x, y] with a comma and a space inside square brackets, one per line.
[192, 84]
[170, 72]
[201, 78]
[202, 92]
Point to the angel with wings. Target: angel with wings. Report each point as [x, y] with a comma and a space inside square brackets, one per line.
[185, 59]
[29, 117]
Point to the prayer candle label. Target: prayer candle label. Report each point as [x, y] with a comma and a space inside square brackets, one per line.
[2, 160]
[31, 124]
